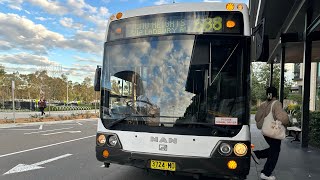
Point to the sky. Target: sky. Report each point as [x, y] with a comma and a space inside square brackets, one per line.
[60, 36]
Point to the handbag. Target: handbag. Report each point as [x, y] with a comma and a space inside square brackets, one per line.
[273, 128]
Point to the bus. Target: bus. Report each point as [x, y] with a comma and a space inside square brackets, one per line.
[175, 90]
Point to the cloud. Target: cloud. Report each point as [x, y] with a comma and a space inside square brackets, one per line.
[66, 22]
[43, 18]
[81, 70]
[88, 60]
[78, 8]
[160, 2]
[52, 7]
[24, 34]
[5, 45]
[26, 59]
[15, 7]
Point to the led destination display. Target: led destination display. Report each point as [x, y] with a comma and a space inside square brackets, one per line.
[186, 23]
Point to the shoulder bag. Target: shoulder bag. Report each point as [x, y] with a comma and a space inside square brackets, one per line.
[273, 128]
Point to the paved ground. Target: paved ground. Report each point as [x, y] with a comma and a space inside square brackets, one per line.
[66, 151]
[9, 115]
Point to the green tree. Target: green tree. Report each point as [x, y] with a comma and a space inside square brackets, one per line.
[261, 78]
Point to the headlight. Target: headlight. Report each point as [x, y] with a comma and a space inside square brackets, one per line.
[225, 149]
[240, 149]
[112, 140]
[101, 140]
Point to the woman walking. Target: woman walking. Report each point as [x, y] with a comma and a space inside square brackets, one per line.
[271, 153]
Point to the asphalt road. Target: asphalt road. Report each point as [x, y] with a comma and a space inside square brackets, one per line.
[62, 151]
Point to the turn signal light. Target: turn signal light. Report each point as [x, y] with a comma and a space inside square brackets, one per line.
[232, 164]
[240, 7]
[119, 15]
[252, 146]
[101, 139]
[230, 24]
[105, 153]
[230, 6]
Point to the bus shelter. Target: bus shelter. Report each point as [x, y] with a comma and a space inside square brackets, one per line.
[291, 34]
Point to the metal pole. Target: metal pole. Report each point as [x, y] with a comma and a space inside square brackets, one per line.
[306, 80]
[95, 102]
[283, 59]
[13, 106]
[67, 92]
[271, 74]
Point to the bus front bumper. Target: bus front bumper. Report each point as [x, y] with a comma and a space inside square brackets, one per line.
[214, 166]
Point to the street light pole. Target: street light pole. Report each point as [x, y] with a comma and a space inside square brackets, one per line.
[13, 107]
[67, 88]
[67, 92]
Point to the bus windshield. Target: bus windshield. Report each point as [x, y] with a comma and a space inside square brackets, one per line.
[175, 79]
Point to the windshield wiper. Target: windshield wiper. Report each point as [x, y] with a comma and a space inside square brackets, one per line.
[117, 121]
[122, 119]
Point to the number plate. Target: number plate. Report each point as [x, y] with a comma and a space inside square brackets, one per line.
[163, 165]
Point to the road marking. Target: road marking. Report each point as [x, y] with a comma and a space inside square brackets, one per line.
[79, 123]
[61, 132]
[24, 167]
[41, 126]
[48, 130]
[41, 147]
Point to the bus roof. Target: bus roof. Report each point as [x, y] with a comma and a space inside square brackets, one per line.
[181, 7]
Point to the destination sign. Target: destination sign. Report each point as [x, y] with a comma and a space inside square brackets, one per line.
[186, 23]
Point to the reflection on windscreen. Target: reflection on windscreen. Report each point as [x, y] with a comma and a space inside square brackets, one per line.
[180, 79]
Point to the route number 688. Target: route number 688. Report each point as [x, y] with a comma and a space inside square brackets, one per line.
[208, 24]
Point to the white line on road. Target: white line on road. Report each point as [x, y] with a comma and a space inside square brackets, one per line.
[41, 147]
[50, 160]
[25, 167]
[48, 130]
[61, 132]
[41, 126]
[79, 123]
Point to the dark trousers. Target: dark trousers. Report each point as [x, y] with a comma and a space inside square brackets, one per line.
[271, 153]
[42, 110]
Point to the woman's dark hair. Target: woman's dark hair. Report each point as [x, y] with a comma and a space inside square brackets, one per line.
[273, 91]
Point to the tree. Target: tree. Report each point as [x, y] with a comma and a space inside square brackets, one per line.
[261, 78]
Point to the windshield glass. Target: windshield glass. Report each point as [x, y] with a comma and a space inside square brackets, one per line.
[175, 79]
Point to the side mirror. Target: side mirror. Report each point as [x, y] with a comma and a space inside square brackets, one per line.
[97, 79]
[261, 43]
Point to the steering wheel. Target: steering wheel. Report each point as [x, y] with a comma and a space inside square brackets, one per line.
[130, 102]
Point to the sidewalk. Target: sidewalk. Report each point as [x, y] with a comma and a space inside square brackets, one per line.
[9, 115]
[12, 125]
[294, 162]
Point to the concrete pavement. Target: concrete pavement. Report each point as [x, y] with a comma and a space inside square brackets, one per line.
[9, 115]
[67, 151]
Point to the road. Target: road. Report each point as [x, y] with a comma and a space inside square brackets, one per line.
[61, 151]
[9, 115]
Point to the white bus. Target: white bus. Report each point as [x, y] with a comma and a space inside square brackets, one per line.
[175, 90]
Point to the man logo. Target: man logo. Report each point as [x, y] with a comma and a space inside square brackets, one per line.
[163, 147]
[164, 140]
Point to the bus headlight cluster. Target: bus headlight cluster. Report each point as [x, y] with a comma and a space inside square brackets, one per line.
[225, 149]
[240, 149]
[101, 140]
[112, 140]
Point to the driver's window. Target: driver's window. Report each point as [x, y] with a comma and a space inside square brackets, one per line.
[120, 87]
